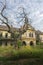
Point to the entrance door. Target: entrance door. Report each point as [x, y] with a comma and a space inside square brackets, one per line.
[24, 43]
[31, 43]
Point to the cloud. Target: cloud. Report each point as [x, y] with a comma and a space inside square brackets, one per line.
[35, 7]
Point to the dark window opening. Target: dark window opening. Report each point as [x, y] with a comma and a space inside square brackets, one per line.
[31, 43]
[12, 35]
[29, 34]
[6, 35]
[24, 43]
[0, 43]
[0, 35]
[5, 43]
[11, 44]
[32, 34]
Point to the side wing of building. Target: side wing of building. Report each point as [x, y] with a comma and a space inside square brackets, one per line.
[29, 37]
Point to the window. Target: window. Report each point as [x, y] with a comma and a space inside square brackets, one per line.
[41, 38]
[6, 35]
[31, 43]
[6, 43]
[24, 43]
[12, 35]
[0, 43]
[30, 34]
[0, 35]
[11, 43]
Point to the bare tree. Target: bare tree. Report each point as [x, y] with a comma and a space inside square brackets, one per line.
[1, 13]
[23, 16]
[3, 22]
[10, 29]
[22, 29]
[25, 20]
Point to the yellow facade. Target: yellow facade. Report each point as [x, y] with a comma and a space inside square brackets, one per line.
[41, 38]
[5, 37]
[4, 33]
[29, 37]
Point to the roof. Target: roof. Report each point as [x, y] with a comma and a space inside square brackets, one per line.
[5, 28]
[31, 27]
[39, 32]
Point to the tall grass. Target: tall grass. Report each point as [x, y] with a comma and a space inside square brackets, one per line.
[9, 53]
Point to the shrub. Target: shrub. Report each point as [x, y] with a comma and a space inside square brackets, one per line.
[9, 53]
[19, 43]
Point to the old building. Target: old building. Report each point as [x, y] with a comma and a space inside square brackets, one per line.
[29, 37]
[5, 36]
[41, 37]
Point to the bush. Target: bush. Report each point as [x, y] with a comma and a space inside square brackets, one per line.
[19, 43]
[9, 53]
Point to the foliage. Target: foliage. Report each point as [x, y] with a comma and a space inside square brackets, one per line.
[38, 43]
[25, 52]
[19, 43]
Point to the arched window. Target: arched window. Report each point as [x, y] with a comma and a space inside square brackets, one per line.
[24, 43]
[31, 43]
[30, 34]
[6, 43]
[6, 35]
[0, 43]
[0, 35]
[12, 35]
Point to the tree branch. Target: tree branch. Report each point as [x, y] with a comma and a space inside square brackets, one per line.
[6, 24]
[4, 7]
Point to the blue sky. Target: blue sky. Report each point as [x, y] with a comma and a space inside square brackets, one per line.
[35, 7]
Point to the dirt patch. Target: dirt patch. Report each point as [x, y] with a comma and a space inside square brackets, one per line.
[31, 61]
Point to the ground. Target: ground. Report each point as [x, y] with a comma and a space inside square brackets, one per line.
[25, 55]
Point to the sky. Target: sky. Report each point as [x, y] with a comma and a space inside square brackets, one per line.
[33, 7]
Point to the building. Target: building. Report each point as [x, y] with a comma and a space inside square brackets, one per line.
[41, 37]
[29, 37]
[5, 36]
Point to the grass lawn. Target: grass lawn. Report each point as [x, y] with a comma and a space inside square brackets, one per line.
[25, 55]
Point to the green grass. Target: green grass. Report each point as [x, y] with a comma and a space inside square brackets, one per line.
[25, 52]
[25, 55]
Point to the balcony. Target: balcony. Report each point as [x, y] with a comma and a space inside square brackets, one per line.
[6, 39]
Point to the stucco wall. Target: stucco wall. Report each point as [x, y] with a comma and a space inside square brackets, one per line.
[4, 33]
[41, 38]
[27, 39]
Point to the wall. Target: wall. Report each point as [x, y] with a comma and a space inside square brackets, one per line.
[41, 38]
[27, 38]
[4, 33]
